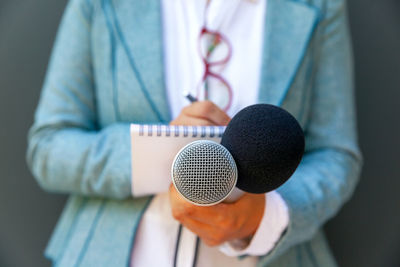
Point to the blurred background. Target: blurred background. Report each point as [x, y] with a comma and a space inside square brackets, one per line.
[365, 233]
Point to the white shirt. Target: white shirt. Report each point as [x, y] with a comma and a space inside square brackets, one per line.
[242, 22]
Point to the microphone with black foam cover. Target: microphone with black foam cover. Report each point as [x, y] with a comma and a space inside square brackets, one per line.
[259, 151]
[267, 144]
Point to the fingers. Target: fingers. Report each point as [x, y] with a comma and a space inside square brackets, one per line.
[214, 224]
[221, 222]
[182, 211]
[187, 120]
[207, 233]
[222, 214]
[181, 208]
[207, 111]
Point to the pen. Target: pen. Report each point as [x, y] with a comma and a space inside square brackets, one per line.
[189, 96]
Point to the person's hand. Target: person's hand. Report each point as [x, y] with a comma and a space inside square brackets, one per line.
[202, 113]
[222, 222]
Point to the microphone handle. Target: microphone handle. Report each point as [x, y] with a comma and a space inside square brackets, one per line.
[234, 195]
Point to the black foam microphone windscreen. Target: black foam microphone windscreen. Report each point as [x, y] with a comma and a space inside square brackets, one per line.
[267, 144]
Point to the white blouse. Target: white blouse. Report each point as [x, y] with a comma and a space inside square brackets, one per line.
[242, 22]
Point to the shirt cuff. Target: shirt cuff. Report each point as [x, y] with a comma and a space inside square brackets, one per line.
[273, 223]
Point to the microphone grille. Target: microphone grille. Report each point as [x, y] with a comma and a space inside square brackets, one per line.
[204, 172]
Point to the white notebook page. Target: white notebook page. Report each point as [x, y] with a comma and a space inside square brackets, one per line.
[153, 149]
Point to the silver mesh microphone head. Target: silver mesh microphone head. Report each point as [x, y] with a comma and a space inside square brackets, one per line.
[204, 172]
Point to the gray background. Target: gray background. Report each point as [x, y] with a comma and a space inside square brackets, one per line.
[367, 230]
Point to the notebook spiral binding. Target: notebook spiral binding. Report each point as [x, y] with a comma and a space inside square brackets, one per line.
[179, 130]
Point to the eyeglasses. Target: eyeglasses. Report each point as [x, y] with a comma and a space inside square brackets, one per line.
[209, 43]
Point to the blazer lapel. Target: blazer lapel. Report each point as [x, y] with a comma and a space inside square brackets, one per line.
[289, 27]
[138, 27]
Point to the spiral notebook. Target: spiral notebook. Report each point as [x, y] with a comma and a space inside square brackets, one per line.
[153, 149]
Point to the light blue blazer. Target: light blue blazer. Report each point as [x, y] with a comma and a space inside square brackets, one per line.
[106, 71]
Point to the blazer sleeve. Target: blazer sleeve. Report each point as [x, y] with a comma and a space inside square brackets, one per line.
[67, 152]
[330, 168]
